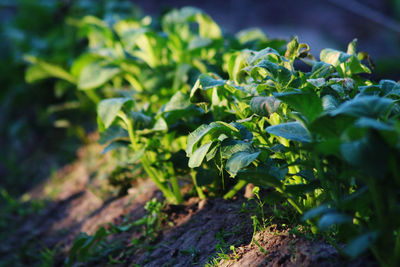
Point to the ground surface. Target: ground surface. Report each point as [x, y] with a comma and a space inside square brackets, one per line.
[77, 200]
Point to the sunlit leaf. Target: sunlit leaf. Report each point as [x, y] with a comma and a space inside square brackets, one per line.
[94, 75]
[240, 160]
[109, 108]
[198, 156]
[291, 130]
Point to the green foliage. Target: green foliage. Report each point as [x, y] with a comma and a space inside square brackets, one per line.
[337, 127]
[325, 140]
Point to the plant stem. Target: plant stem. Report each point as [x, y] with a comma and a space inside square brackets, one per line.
[146, 163]
[175, 185]
[290, 200]
[152, 173]
[235, 189]
[198, 189]
[91, 94]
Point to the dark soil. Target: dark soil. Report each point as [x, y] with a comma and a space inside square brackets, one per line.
[193, 233]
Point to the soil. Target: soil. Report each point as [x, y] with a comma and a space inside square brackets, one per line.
[77, 200]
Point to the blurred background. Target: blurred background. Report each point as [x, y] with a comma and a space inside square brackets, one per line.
[320, 23]
[34, 141]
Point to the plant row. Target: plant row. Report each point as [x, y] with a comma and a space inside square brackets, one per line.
[194, 105]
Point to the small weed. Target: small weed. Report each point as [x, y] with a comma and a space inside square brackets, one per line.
[213, 262]
[92, 248]
[262, 250]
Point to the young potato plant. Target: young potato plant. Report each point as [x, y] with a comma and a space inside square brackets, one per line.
[324, 137]
[153, 70]
[157, 139]
[327, 140]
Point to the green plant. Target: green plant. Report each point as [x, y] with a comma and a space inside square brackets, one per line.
[325, 140]
[321, 139]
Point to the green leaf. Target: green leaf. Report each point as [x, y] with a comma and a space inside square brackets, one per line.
[370, 154]
[333, 218]
[365, 106]
[108, 109]
[198, 156]
[321, 70]
[264, 106]
[140, 118]
[249, 36]
[390, 88]
[160, 125]
[246, 135]
[307, 103]
[207, 81]
[236, 62]
[334, 57]
[95, 75]
[267, 68]
[291, 130]
[318, 82]
[360, 244]
[198, 43]
[315, 212]
[331, 127]
[114, 145]
[268, 174]
[112, 133]
[137, 155]
[239, 161]
[42, 69]
[295, 50]
[329, 103]
[131, 37]
[178, 101]
[214, 128]
[351, 48]
[365, 122]
[200, 92]
[266, 53]
[346, 64]
[230, 146]
[177, 19]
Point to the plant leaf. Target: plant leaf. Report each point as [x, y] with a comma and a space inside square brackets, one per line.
[264, 106]
[308, 104]
[95, 75]
[108, 109]
[215, 128]
[333, 218]
[360, 244]
[239, 161]
[198, 156]
[365, 106]
[291, 130]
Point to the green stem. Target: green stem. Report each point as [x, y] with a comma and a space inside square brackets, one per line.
[291, 201]
[146, 163]
[175, 185]
[91, 94]
[152, 173]
[235, 189]
[200, 192]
